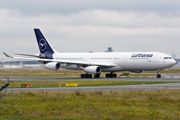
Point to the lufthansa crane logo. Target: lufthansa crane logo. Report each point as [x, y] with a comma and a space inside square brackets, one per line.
[42, 44]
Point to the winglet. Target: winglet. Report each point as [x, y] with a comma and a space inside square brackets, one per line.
[7, 55]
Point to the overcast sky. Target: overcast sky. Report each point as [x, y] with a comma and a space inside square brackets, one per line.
[91, 25]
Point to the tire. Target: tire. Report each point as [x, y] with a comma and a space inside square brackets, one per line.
[158, 75]
[82, 76]
[111, 75]
[86, 76]
[107, 75]
[96, 75]
[114, 75]
[90, 75]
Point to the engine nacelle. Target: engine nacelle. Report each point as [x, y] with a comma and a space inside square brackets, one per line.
[52, 65]
[93, 69]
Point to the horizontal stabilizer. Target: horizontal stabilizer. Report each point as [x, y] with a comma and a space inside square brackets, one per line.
[27, 55]
[7, 55]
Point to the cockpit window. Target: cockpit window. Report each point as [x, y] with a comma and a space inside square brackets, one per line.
[167, 58]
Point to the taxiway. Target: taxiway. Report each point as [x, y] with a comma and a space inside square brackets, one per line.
[92, 79]
[105, 88]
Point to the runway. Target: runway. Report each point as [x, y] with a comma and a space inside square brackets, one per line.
[105, 88]
[93, 79]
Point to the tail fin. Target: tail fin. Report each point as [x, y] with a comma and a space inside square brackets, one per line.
[43, 44]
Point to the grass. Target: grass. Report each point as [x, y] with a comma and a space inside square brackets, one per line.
[38, 73]
[81, 105]
[43, 84]
[96, 105]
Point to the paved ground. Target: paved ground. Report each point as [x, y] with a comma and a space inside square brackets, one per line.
[164, 78]
[105, 88]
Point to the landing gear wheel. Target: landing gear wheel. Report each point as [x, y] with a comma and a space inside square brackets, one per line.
[107, 75]
[114, 75]
[90, 75]
[111, 75]
[82, 75]
[96, 75]
[86, 76]
[158, 75]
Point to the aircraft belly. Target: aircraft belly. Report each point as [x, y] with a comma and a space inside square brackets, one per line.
[111, 69]
[137, 65]
[160, 66]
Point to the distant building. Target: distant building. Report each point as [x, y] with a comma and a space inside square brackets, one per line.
[173, 55]
[109, 49]
[20, 64]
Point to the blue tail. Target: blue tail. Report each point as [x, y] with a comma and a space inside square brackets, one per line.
[44, 46]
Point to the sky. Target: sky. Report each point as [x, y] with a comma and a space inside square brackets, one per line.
[91, 25]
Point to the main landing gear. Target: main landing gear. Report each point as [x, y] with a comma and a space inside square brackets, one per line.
[89, 75]
[158, 74]
[108, 75]
[86, 75]
[96, 75]
[111, 75]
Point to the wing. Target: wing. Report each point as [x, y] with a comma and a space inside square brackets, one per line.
[37, 58]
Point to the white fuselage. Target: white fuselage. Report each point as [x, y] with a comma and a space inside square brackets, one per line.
[121, 61]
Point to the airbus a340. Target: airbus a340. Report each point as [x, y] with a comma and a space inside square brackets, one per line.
[95, 63]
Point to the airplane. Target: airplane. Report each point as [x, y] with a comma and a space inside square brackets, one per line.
[95, 63]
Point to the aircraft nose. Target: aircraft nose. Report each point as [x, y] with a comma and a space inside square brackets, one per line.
[173, 62]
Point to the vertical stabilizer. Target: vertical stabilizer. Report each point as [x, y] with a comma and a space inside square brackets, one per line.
[43, 44]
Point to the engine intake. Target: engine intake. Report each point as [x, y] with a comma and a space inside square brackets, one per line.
[93, 69]
[52, 65]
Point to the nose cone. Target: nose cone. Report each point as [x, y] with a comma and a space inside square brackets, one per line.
[173, 62]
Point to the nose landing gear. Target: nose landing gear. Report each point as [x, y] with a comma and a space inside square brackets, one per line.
[158, 74]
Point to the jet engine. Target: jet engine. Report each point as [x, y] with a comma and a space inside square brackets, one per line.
[93, 69]
[52, 65]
